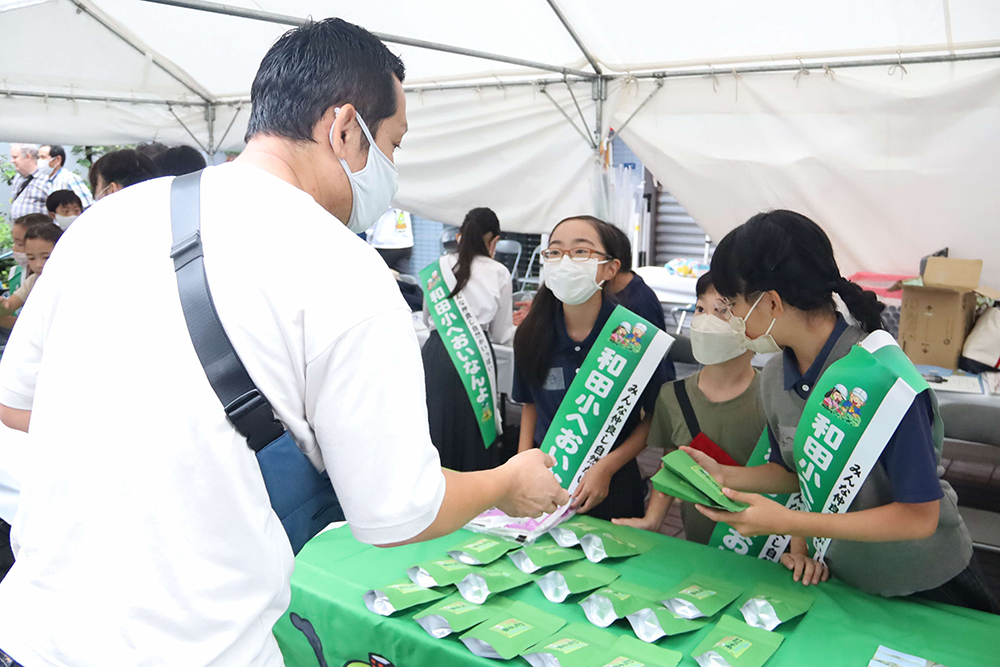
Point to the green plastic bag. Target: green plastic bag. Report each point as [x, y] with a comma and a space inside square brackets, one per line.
[576, 645]
[491, 579]
[438, 572]
[630, 652]
[614, 542]
[617, 600]
[455, 614]
[654, 622]
[733, 643]
[511, 631]
[699, 596]
[568, 533]
[768, 606]
[481, 550]
[581, 576]
[681, 464]
[400, 595]
[544, 553]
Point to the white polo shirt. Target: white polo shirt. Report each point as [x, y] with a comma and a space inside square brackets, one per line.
[144, 534]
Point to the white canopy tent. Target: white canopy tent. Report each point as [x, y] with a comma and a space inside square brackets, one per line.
[879, 118]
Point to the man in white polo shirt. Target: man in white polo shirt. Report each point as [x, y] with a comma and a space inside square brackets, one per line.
[145, 534]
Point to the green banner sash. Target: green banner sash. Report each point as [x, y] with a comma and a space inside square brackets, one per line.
[849, 418]
[603, 394]
[768, 547]
[467, 346]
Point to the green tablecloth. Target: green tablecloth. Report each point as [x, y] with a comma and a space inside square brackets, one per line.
[843, 628]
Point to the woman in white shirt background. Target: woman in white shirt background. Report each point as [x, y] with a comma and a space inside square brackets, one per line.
[486, 285]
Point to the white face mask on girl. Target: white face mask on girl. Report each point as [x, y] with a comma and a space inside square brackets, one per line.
[373, 187]
[572, 282]
[21, 259]
[713, 341]
[763, 344]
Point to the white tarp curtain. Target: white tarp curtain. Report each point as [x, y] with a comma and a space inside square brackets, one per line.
[512, 148]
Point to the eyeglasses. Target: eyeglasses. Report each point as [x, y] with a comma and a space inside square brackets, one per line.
[575, 254]
[723, 308]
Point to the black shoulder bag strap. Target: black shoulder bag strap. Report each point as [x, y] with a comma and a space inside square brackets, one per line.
[27, 179]
[685, 402]
[245, 406]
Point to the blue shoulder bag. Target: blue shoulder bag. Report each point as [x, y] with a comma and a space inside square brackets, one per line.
[302, 497]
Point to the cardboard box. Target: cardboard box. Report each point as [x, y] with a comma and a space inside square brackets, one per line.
[938, 314]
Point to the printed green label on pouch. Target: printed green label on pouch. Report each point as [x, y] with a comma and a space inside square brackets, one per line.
[705, 475]
[461, 607]
[698, 592]
[622, 661]
[567, 645]
[511, 628]
[617, 594]
[551, 549]
[735, 646]
[407, 588]
[481, 545]
[450, 564]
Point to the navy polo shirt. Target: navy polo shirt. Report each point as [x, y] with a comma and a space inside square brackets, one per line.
[565, 359]
[641, 300]
[909, 458]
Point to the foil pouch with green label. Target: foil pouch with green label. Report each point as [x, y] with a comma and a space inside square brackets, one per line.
[581, 576]
[654, 622]
[614, 542]
[483, 582]
[543, 553]
[630, 652]
[682, 465]
[456, 614]
[576, 645]
[617, 600]
[511, 631]
[481, 550]
[400, 595]
[733, 643]
[700, 595]
[568, 533]
[438, 572]
[768, 606]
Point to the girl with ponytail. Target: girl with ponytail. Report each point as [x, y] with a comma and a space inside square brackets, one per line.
[486, 286]
[866, 468]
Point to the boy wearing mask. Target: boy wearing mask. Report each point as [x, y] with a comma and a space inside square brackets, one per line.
[64, 207]
[39, 241]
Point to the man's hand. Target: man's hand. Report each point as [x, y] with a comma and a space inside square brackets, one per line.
[532, 489]
[711, 466]
[593, 488]
[763, 517]
[804, 568]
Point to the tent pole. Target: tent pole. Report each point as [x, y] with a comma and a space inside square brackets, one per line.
[590, 142]
[819, 65]
[659, 87]
[210, 121]
[282, 19]
[583, 119]
[222, 141]
[188, 130]
[99, 98]
[429, 87]
[576, 38]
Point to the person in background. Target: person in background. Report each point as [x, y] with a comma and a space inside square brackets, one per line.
[20, 271]
[178, 161]
[62, 178]
[64, 207]
[552, 343]
[29, 186]
[39, 241]
[486, 285]
[150, 149]
[119, 169]
[392, 237]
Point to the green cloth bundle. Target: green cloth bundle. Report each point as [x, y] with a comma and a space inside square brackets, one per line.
[455, 614]
[768, 606]
[576, 645]
[543, 553]
[733, 643]
[481, 550]
[617, 600]
[491, 579]
[654, 622]
[581, 576]
[568, 533]
[438, 572]
[400, 595]
[682, 478]
[700, 595]
[511, 631]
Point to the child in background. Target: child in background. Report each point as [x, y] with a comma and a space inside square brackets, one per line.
[39, 240]
[19, 272]
[64, 207]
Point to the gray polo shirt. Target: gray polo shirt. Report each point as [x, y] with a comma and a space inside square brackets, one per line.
[882, 568]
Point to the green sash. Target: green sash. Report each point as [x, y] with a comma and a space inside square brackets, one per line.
[840, 437]
[603, 394]
[769, 547]
[467, 346]
[16, 277]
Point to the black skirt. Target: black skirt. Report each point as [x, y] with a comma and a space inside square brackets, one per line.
[454, 427]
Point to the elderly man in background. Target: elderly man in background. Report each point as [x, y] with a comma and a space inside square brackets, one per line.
[53, 159]
[29, 186]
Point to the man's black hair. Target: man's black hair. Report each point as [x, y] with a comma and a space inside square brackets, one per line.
[178, 161]
[125, 167]
[56, 151]
[150, 149]
[319, 65]
[60, 197]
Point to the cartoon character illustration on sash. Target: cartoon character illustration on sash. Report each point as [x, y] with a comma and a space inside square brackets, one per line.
[306, 627]
[853, 407]
[629, 336]
[846, 406]
[621, 333]
[833, 400]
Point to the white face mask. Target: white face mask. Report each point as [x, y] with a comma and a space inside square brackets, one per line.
[21, 259]
[713, 341]
[64, 221]
[44, 168]
[572, 282]
[761, 344]
[373, 187]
